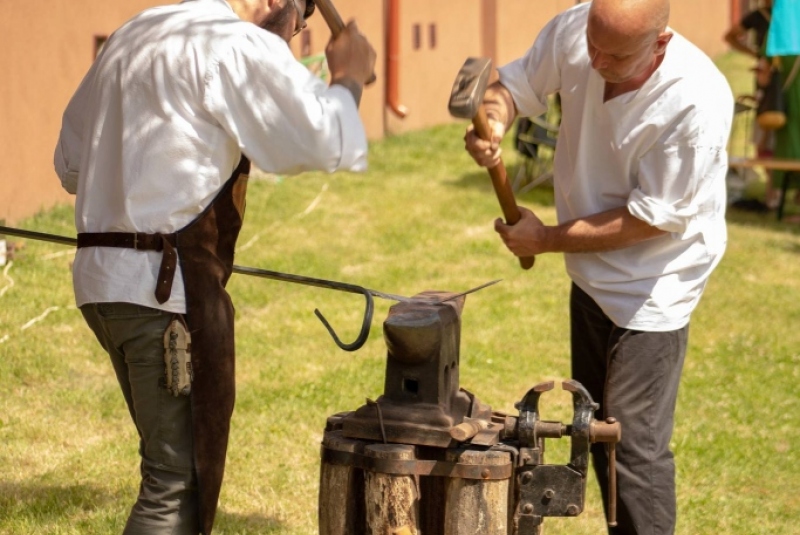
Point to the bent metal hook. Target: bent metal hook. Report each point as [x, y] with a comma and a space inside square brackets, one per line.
[275, 275]
[284, 277]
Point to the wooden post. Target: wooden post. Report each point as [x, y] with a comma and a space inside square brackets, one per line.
[474, 505]
[392, 500]
[341, 490]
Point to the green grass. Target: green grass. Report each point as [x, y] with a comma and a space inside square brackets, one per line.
[420, 219]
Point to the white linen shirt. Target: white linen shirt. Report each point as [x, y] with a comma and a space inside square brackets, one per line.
[660, 151]
[159, 124]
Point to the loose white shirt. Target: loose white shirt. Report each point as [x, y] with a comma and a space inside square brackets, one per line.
[159, 124]
[660, 151]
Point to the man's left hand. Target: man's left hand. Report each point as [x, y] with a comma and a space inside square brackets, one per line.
[527, 237]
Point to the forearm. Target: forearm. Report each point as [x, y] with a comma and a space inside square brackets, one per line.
[351, 85]
[499, 105]
[606, 231]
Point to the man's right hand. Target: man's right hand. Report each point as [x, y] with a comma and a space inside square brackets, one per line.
[486, 153]
[350, 56]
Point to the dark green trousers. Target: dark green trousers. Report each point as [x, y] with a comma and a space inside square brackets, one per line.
[133, 337]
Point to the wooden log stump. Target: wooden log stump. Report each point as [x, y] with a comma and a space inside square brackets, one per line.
[474, 505]
[341, 490]
[392, 501]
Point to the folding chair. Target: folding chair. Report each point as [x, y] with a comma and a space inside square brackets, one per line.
[535, 140]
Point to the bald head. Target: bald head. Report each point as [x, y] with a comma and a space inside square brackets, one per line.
[632, 18]
[627, 39]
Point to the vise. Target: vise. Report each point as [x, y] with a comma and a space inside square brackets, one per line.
[438, 439]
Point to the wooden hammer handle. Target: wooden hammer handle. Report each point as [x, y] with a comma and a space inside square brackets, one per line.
[331, 17]
[502, 188]
[335, 23]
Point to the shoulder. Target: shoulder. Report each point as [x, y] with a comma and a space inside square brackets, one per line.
[566, 32]
[572, 22]
[692, 88]
[690, 68]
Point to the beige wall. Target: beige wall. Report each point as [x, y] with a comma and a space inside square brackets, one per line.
[427, 73]
[702, 22]
[370, 16]
[49, 45]
[519, 22]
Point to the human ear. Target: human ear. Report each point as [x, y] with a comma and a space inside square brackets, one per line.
[662, 41]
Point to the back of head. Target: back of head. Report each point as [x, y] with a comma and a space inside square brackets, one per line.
[631, 18]
[246, 8]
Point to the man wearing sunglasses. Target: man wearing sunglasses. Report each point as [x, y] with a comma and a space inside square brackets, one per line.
[156, 143]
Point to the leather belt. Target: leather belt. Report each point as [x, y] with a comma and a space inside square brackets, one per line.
[140, 241]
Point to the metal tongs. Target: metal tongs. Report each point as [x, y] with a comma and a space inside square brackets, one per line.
[288, 277]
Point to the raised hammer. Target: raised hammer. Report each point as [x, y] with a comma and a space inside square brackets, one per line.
[466, 102]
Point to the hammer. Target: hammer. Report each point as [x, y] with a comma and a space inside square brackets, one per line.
[335, 23]
[466, 102]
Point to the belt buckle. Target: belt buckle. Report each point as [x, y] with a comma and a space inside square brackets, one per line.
[136, 241]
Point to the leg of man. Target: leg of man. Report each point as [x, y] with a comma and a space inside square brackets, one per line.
[133, 337]
[634, 375]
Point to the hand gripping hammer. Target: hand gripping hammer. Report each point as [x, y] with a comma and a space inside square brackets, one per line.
[466, 102]
[335, 23]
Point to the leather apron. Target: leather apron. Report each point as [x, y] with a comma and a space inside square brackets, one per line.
[207, 263]
[205, 249]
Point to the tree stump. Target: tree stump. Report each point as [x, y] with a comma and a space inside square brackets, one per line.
[341, 490]
[474, 505]
[392, 501]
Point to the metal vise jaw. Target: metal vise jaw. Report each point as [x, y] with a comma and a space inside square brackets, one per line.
[422, 400]
[556, 490]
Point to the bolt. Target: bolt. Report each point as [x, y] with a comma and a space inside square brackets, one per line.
[527, 508]
[526, 478]
[572, 509]
[485, 473]
[549, 493]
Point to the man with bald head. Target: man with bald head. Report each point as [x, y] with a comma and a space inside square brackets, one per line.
[639, 183]
[157, 143]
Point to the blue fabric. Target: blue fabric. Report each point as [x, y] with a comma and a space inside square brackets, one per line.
[784, 30]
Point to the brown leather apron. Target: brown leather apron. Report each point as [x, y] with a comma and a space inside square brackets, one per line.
[205, 249]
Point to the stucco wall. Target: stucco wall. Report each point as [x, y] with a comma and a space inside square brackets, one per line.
[49, 45]
[369, 15]
[703, 23]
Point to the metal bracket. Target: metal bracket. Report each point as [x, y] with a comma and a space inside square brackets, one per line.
[418, 467]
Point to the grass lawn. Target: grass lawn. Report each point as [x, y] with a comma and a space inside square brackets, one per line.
[420, 219]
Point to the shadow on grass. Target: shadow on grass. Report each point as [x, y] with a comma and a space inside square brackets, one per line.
[541, 195]
[41, 503]
[252, 524]
[37, 504]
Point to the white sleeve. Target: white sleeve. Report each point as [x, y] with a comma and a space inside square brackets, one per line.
[681, 179]
[676, 184]
[285, 119]
[69, 148]
[537, 74]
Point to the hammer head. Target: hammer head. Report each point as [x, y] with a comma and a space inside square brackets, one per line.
[469, 87]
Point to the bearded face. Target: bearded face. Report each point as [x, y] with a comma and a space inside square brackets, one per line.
[279, 21]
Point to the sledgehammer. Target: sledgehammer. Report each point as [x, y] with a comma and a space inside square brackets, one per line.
[466, 102]
[335, 23]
